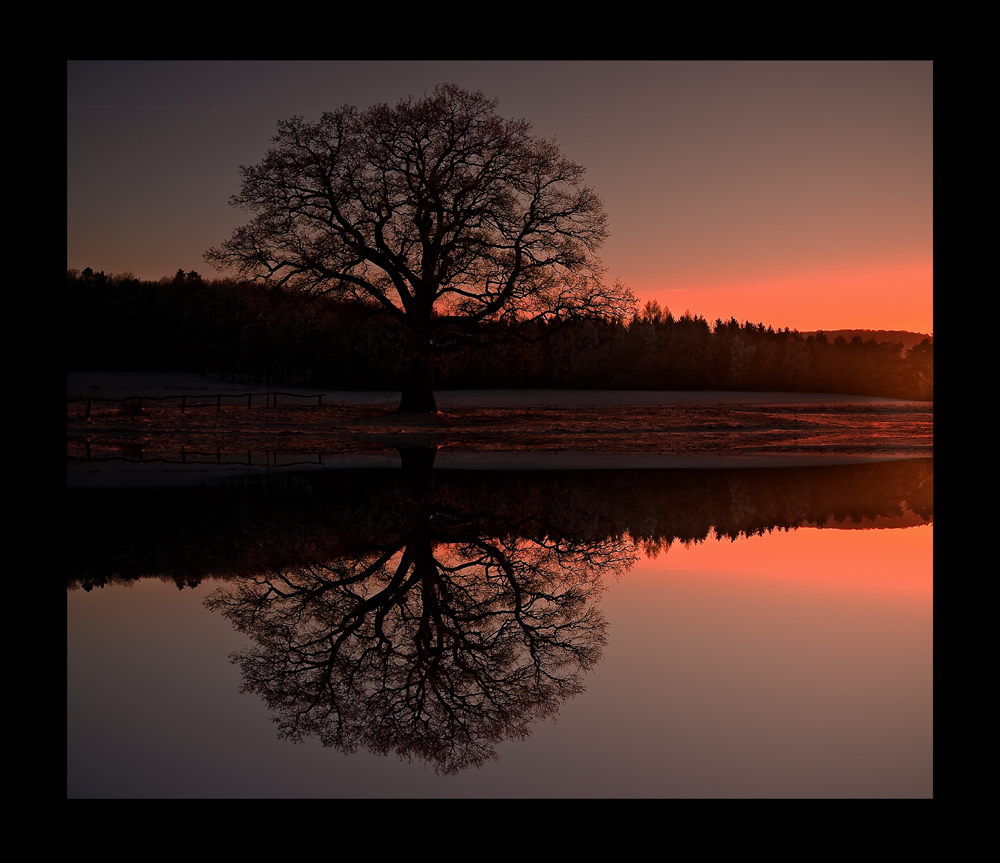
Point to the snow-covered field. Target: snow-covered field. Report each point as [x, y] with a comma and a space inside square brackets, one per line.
[476, 429]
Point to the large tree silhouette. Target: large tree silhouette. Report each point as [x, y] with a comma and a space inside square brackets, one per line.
[438, 211]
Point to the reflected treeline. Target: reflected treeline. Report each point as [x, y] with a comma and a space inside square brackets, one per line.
[241, 526]
[436, 614]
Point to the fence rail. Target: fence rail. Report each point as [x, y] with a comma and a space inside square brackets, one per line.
[82, 453]
[196, 400]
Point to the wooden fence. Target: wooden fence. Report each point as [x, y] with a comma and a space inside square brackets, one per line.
[134, 403]
[80, 451]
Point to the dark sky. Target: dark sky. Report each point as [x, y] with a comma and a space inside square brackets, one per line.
[790, 193]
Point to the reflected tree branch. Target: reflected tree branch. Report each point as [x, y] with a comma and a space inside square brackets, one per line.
[437, 647]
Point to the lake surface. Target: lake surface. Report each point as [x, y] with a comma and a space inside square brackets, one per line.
[655, 633]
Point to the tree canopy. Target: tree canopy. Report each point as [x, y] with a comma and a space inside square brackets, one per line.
[437, 211]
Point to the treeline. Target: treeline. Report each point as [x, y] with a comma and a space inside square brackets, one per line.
[247, 332]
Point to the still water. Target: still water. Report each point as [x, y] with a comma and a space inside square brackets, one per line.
[703, 633]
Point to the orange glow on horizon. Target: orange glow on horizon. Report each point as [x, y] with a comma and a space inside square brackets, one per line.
[896, 296]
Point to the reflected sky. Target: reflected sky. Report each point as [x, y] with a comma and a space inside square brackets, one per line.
[791, 663]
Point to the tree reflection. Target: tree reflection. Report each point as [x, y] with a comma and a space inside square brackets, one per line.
[436, 613]
[459, 633]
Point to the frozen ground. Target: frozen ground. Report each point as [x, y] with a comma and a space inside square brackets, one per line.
[485, 429]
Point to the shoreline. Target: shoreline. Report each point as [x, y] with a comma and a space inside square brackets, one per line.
[124, 474]
[475, 430]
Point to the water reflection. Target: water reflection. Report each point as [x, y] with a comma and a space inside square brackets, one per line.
[434, 614]
[431, 648]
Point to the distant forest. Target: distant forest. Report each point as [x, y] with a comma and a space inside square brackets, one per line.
[247, 332]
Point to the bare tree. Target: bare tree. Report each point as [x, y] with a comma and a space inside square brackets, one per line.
[438, 211]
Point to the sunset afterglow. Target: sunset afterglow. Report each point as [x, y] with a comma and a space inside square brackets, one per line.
[413, 406]
[896, 295]
[793, 194]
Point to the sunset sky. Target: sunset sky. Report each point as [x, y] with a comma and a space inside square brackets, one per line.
[794, 194]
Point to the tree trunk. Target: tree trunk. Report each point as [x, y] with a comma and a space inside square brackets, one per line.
[418, 388]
